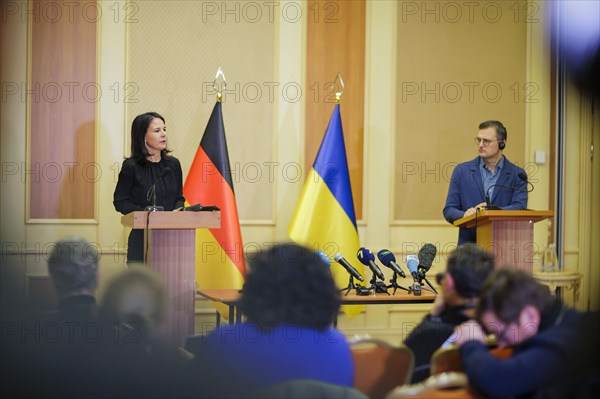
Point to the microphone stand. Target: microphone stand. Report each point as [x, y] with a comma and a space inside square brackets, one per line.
[153, 207]
[488, 202]
[351, 286]
[415, 289]
[377, 288]
[429, 284]
[394, 284]
[422, 276]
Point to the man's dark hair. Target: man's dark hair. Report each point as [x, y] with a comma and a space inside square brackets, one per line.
[73, 266]
[139, 127]
[507, 291]
[500, 129]
[469, 266]
[289, 284]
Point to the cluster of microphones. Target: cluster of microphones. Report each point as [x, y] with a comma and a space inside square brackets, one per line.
[418, 266]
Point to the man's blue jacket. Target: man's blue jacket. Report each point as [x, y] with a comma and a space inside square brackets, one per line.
[466, 190]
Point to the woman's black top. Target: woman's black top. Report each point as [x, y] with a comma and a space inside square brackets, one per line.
[136, 178]
[131, 194]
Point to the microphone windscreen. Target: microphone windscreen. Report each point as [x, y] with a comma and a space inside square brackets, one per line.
[365, 256]
[386, 257]
[323, 256]
[426, 256]
[412, 262]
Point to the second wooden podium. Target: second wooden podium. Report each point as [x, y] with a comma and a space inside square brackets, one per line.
[171, 239]
[507, 234]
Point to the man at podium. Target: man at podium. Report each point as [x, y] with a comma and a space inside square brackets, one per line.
[490, 180]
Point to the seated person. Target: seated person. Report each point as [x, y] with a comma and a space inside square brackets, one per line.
[54, 349]
[73, 268]
[290, 300]
[555, 349]
[135, 305]
[468, 267]
[137, 356]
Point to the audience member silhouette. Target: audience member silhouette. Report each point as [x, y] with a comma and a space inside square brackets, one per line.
[55, 351]
[73, 268]
[143, 363]
[468, 267]
[290, 301]
[555, 349]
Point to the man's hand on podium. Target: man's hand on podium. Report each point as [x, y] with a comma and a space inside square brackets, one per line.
[472, 210]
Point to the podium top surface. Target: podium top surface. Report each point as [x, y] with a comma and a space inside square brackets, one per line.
[486, 216]
[172, 220]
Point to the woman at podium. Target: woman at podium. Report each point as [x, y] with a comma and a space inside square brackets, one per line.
[150, 179]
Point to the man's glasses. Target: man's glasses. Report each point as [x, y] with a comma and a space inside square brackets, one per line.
[485, 142]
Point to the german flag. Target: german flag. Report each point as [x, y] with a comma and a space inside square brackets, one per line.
[220, 262]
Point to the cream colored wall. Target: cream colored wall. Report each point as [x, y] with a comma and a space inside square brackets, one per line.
[454, 70]
[580, 179]
[25, 246]
[592, 274]
[538, 120]
[282, 138]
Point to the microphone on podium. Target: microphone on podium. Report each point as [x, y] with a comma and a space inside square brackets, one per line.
[323, 256]
[488, 201]
[152, 193]
[349, 268]
[367, 258]
[426, 257]
[388, 259]
[413, 263]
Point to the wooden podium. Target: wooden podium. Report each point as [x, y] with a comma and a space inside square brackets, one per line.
[507, 234]
[171, 238]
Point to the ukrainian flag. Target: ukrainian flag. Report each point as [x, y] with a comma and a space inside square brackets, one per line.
[324, 218]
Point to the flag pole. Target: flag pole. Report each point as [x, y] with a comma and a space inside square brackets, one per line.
[338, 94]
[220, 87]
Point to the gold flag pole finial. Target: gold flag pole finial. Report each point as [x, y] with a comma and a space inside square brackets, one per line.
[219, 87]
[338, 94]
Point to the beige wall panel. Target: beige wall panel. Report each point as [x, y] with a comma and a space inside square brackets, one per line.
[13, 72]
[62, 112]
[593, 280]
[457, 66]
[111, 117]
[174, 51]
[336, 43]
[392, 323]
